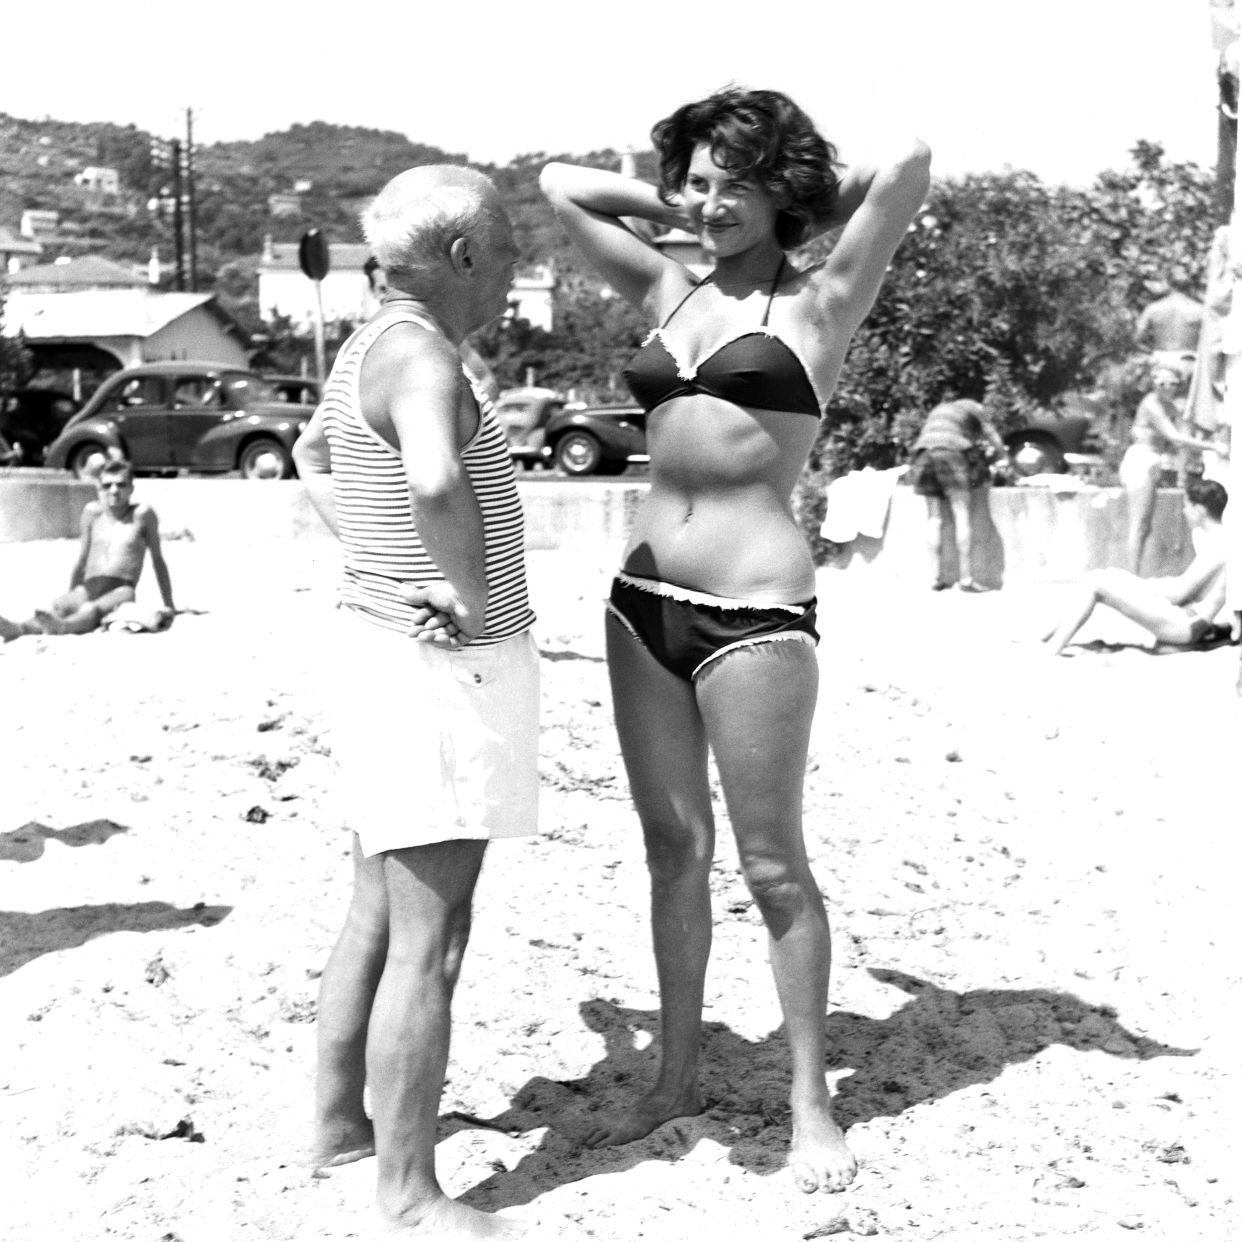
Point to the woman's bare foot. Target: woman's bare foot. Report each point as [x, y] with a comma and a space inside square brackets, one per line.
[451, 1221]
[10, 630]
[818, 1156]
[340, 1144]
[652, 1111]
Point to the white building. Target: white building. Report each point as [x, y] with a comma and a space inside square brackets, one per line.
[39, 225]
[530, 297]
[131, 325]
[101, 180]
[284, 290]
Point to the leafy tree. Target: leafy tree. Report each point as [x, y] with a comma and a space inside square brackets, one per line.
[15, 360]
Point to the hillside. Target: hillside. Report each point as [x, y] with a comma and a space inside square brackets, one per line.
[344, 166]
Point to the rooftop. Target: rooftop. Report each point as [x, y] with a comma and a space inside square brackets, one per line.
[96, 312]
[283, 257]
[91, 272]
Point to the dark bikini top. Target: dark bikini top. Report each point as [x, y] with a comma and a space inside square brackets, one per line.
[756, 369]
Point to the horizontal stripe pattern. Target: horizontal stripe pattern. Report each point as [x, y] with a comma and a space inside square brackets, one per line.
[381, 545]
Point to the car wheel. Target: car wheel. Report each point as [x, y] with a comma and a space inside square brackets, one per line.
[265, 459]
[579, 453]
[1030, 455]
[86, 459]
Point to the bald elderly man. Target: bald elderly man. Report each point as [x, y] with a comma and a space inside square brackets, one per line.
[437, 677]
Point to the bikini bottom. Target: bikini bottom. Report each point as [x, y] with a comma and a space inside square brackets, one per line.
[686, 630]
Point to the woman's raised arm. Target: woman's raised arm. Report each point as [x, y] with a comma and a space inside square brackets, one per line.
[876, 203]
[591, 204]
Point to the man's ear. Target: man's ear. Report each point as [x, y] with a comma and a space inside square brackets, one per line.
[461, 256]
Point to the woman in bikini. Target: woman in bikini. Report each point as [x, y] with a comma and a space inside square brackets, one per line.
[1154, 435]
[711, 623]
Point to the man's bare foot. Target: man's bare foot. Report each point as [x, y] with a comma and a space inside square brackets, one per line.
[10, 630]
[648, 1114]
[451, 1221]
[49, 622]
[341, 1144]
[818, 1156]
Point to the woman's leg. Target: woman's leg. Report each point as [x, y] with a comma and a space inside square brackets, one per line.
[757, 703]
[1140, 507]
[346, 992]
[665, 751]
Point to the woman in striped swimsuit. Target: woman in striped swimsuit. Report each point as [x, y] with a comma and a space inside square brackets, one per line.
[711, 624]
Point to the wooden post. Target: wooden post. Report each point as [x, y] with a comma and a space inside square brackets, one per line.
[319, 345]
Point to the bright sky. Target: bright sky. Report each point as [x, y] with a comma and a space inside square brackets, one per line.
[1062, 87]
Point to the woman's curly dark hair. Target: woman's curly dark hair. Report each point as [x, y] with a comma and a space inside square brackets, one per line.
[759, 134]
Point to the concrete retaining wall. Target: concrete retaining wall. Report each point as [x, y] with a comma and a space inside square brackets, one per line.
[1022, 534]
[1026, 534]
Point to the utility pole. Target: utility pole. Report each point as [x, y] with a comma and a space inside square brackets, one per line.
[189, 198]
[178, 237]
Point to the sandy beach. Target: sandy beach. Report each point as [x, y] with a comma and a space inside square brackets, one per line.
[1033, 1009]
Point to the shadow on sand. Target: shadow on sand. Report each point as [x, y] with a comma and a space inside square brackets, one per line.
[23, 936]
[26, 844]
[937, 1043]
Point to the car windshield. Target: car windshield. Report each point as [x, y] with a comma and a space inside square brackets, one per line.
[249, 389]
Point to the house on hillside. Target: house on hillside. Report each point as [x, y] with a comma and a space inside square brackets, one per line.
[15, 250]
[99, 180]
[284, 205]
[76, 276]
[39, 225]
[95, 329]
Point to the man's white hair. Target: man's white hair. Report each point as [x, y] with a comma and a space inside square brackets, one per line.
[415, 219]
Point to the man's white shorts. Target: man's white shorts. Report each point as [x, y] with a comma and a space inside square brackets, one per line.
[434, 743]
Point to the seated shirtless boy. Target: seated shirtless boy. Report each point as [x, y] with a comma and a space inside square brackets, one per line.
[1179, 611]
[116, 536]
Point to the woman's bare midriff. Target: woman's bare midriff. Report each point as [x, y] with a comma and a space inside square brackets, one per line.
[718, 517]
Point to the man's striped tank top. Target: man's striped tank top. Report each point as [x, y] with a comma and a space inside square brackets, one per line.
[375, 516]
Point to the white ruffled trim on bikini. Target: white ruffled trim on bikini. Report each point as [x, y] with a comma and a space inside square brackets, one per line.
[657, 334]
[670, 591]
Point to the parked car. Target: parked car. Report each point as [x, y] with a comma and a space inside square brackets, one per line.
[168, 416]
[1054, 441]
[600, 439]
[33, 418]
[295, 389]
[578, 439]
[524, 415]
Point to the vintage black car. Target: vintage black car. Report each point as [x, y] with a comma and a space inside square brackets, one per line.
[32, 418]
[295, 389]
[170, 416]
[599, 439]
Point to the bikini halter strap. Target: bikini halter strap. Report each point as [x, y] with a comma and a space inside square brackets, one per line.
[776, 280]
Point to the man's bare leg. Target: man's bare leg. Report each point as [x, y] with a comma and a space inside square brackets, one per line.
[74, 614]
[10, 630]
[1131, 597]
[665, 749]
[343, 1131]
[429, 890]
[758, 703]
[1237, 633]
[959, 502]
[935, 535]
